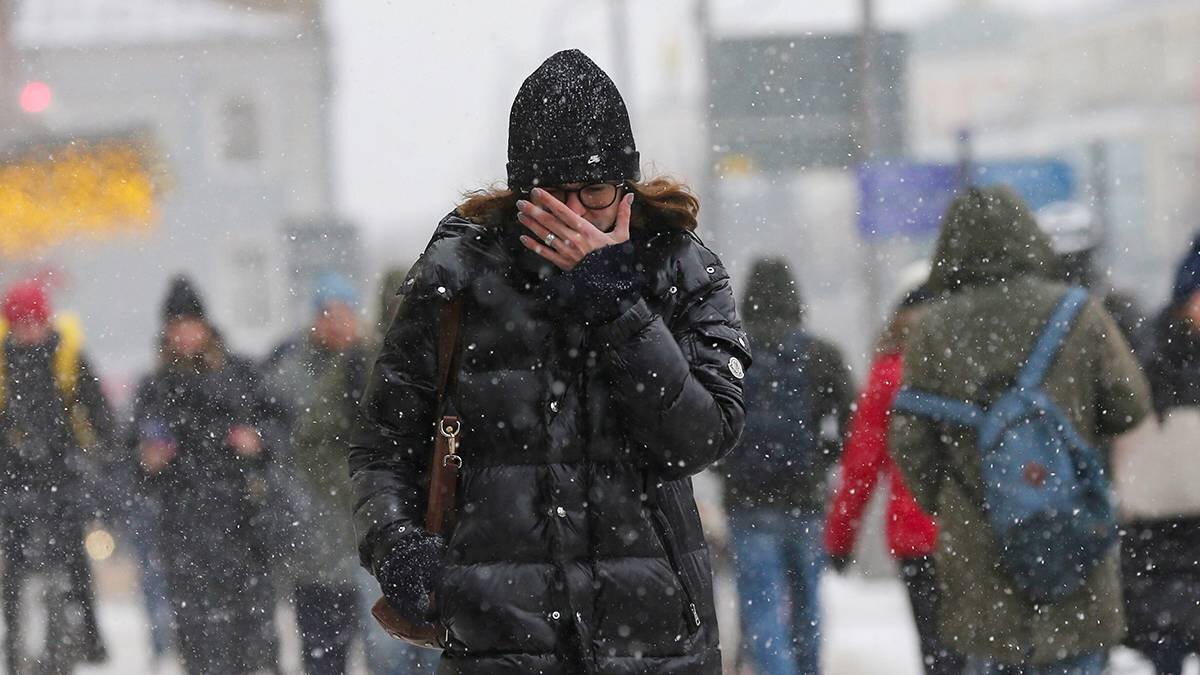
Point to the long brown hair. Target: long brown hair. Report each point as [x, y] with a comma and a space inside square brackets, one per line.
[662, 200]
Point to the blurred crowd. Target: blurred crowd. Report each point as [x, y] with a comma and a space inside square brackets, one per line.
[1013, 337]
[227, 475]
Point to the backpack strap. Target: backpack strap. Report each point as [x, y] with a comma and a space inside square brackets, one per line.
[945, 410]
[938, 408]
[66, 359]
[1037, 364]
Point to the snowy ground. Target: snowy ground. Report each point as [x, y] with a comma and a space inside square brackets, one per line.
[868, 632]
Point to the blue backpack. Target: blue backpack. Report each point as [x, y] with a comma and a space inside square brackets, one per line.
[1045, 491]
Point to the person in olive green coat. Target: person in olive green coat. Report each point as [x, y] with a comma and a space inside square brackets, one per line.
[321, 374]
[995, 271]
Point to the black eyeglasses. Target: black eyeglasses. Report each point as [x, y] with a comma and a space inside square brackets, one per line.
[594, 196]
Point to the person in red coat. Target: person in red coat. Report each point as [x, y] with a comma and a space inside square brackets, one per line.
[866, 460]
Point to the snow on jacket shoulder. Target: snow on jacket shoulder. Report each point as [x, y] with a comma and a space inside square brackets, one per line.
[577, 546]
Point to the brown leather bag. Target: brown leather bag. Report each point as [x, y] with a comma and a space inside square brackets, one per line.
[443, 480]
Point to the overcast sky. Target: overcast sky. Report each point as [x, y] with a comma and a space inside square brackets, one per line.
[422, 88]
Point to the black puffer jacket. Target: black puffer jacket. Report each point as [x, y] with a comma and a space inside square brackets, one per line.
[577, 547]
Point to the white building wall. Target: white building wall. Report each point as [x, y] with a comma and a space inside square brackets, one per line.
[1127, 80]
[222, 217]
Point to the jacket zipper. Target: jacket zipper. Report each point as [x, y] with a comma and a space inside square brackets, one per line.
[663, 529]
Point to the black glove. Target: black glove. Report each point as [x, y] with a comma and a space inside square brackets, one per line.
[604, 284]
[839, 562]
[410, 572]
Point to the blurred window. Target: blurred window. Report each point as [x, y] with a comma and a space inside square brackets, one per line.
[250, 274]
[241, 141]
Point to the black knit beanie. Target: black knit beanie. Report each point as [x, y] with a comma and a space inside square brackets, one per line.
[569, 125]
[771, 294]
[182, 300]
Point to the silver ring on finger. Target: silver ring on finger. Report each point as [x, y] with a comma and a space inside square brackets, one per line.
[549, 240]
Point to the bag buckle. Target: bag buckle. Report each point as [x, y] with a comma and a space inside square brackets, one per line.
[450, 428]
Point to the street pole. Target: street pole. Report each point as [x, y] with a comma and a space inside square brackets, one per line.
[1098, 177]
[708, 156]
[966, 159]
[866, 140]
[8, 71]
[618, 25]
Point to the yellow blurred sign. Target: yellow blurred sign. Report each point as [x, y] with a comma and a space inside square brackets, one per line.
[736, 164]
[55, 192]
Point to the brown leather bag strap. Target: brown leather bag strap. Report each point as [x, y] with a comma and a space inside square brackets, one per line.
[449, 322]
[445, 463]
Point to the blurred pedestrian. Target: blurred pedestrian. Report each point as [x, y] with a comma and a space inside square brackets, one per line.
[52, 417]
[320, 375]
[1156, 468]
[1005, 331]
[911, 532]
[1076, 235]
[196, 419]
[798, 402]
[599, 367]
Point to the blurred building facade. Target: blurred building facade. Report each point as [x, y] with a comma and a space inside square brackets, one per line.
[233, 97]
[785, 136]
[1116, 92]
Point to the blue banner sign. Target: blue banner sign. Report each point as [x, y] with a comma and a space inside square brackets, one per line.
[909, 198]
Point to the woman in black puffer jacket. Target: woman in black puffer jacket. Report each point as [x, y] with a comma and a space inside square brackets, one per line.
[601, 367]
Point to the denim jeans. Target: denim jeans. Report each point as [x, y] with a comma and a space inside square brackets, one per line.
[1091, 663]
[329, 619]
[779, 558]
[147, 544]
[1168, 657]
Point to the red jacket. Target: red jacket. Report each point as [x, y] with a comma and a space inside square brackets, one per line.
[911, 533]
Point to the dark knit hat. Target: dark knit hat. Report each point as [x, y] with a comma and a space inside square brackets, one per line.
[1187, 279]
[772, 294]
[182, 301]
[569, 125]
[26, 302]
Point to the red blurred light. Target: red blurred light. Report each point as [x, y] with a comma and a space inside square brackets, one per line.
[35, 97]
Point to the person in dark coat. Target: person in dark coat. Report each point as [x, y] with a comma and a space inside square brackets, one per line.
[601, 367]
[195, 432]
[1076, 235]
[54, 422]
[1161, 543]
[321, 373]
[798, 401]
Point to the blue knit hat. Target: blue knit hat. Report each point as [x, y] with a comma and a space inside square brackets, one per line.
[333, 287]
[1187, 279]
